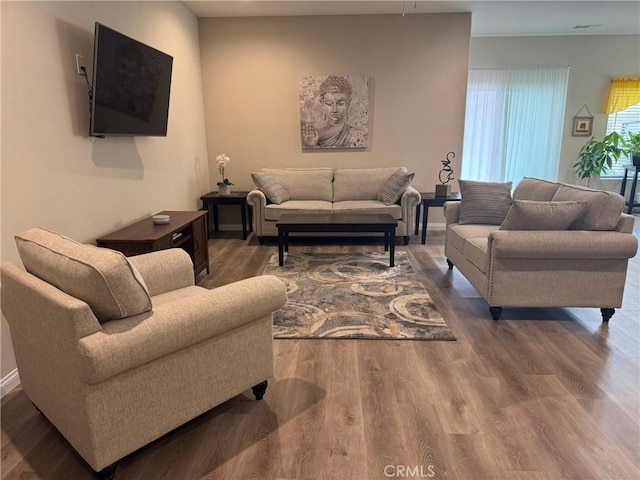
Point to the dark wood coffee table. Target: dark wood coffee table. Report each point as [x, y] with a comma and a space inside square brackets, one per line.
[337, 223]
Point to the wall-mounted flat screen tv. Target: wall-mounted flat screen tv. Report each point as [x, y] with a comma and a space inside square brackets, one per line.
[131, 86]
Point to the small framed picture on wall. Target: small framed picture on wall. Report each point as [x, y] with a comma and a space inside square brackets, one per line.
[582, 126]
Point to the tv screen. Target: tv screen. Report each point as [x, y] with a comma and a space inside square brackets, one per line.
[131, 86]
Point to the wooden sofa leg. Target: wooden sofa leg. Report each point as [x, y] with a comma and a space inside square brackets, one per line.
[495, 312]
[607, 313]
[406, 239]
[259, 389]
[450, 264]
[106, 473]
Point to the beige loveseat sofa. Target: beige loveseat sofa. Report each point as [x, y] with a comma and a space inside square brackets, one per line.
[560, 245]
[116, 352]
[332, 190]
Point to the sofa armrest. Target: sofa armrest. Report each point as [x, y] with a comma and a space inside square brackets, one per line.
[625, 223]
[258, 200]
[451, 212]
[164, 270]
[410, 197]
[565, 244]
[409, 200]
[128, 343]
[40, 314]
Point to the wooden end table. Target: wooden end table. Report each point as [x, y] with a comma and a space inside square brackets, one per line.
[429, 199]
[211, 200]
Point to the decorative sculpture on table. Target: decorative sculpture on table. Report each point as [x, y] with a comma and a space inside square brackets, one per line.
[445, 176]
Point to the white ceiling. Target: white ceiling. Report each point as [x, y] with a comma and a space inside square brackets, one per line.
[489, 18]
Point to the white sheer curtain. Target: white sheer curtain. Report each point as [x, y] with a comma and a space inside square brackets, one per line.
[513, 125]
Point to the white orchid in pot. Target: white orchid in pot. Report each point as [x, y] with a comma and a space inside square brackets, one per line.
[224, 186]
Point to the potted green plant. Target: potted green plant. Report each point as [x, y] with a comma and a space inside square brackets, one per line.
[598, 156]
[632, 147]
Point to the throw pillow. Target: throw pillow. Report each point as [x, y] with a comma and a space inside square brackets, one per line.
[603, 208]
[272, 189]
[535, 189]
[394, 186]
[485, 203]
[102, 278]
[534, 215]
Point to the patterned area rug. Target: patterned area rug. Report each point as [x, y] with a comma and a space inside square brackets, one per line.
[356, 295]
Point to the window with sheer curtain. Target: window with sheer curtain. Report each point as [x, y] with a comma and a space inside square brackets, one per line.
[513, 125]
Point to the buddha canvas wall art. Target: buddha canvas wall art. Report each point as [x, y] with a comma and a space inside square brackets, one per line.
[334, 111]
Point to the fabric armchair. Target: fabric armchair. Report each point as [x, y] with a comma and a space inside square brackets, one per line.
[112, 386]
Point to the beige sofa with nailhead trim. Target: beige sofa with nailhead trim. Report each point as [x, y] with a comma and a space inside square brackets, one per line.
[332, 190]
[582, 266]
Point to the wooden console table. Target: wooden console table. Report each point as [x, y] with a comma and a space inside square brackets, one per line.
[187, 230]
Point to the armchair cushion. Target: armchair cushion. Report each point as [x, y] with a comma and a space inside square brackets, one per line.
[395, 186]
[484, 202]
[532, 215]
[102, 278]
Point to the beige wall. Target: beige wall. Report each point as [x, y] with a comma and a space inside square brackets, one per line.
[593, 61]
[53, 175]
[417, 66]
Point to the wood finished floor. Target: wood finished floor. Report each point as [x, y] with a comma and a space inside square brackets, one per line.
[541, 394]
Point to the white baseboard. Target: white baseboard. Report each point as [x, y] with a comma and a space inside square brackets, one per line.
[9, 382]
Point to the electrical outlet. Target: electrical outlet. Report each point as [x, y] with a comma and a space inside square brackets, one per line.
[80, 64]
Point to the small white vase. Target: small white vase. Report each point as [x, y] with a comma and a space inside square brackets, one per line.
[224, 189]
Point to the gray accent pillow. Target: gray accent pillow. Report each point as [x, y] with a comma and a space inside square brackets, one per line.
[535, 189]
[534, 215]
[603, 208]
[394, 186]
[485, 203]
[272, 189]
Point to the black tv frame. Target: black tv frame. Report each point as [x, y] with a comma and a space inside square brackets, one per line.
[131, 87]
